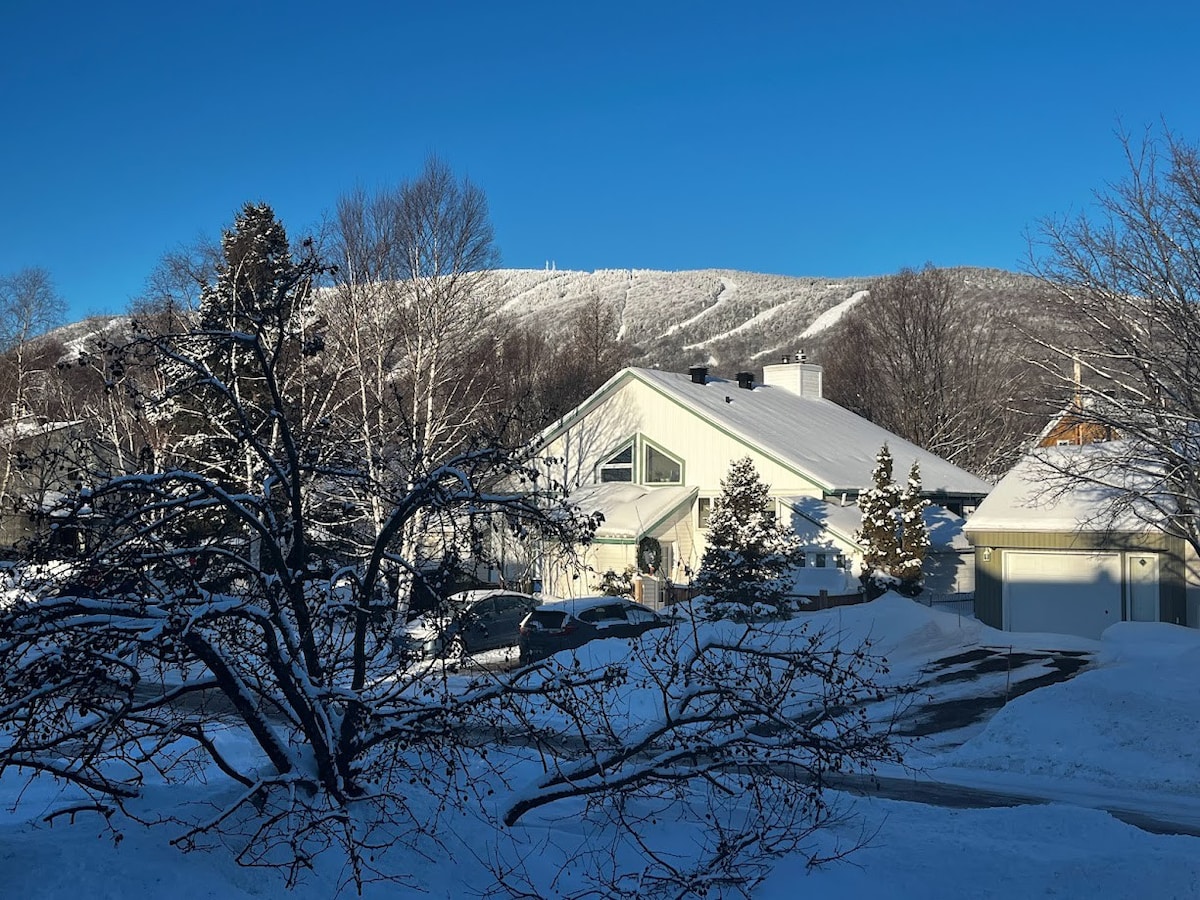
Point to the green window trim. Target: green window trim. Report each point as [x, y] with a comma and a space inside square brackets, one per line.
[659, 466]
[619, 466]
[639, 460]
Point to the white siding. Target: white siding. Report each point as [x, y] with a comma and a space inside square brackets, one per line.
[635, 408]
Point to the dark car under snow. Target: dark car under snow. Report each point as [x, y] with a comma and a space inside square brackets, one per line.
[466, 623]
[567, 624]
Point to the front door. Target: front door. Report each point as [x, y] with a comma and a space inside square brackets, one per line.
[1143, 587]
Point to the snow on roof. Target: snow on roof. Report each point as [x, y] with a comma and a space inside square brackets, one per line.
[631, 510]
[816, 437]
[576, 605]
[1034, 496]
[944, 527]
[814, 516]
[29, 426]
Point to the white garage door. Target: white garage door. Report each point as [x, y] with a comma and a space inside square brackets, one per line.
[1062, 593]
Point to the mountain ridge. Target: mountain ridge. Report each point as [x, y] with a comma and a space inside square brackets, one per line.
[724, 318]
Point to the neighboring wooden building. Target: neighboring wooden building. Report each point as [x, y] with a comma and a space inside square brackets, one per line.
[1051, 557]
[1073, 430]
[649, 450]
[1075, 427]
[1078, 425]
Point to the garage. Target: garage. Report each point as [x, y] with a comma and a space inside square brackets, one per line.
[1061, 592]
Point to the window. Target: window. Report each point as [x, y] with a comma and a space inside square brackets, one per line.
[551, 621]
[638, 616]
[662, 469]
[822, 560]
[507, 606]
[840, 561]
[619, 466]
[703, 511]
[602, 616]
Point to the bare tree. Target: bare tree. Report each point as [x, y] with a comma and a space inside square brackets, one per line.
[29, 306]
[175, 285]
[414, 269]
[917, 360]
[412, 286]
[737, 730]
[210, 596]
[1127, 274]
[537, 379]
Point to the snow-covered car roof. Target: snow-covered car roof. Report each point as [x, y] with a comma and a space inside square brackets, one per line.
[467, 597]
[576, 605]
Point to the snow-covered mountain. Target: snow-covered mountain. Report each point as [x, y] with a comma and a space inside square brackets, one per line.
[726, 319]
[714, 316]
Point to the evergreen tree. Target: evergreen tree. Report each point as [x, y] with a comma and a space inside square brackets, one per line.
[748, 552]
[877, 535]
[617, 584]
[256, 273]
[893, 533]
[254, 306]
[914, 535]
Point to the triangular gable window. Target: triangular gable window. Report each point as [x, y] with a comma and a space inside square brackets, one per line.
[618, 467]
[662, 468]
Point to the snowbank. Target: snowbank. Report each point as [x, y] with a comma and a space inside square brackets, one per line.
[1130, 723]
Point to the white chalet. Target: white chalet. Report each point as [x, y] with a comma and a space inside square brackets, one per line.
[649, 449]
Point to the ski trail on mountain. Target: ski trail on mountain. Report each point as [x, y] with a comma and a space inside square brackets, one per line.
[520, 296]
[728, 286]
[833, 315]
[752, 322]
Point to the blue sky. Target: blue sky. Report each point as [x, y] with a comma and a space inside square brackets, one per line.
[783, 137]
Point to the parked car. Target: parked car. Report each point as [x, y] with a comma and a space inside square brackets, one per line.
[465, 623]
[572, 623]
[97, 580]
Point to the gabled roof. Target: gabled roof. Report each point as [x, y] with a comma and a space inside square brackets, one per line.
[843, 520]
[816, 438]
[1076, 423]
[29, 427]
[1035, 496]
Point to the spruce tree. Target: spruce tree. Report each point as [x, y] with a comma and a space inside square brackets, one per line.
[878, 533]
[253, 308]
[914, 535]
[893, 533]
[748, 552]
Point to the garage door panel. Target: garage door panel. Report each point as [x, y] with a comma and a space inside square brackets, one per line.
[1062, 593]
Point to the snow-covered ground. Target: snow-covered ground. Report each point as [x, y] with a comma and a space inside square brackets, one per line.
[1121, 734]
